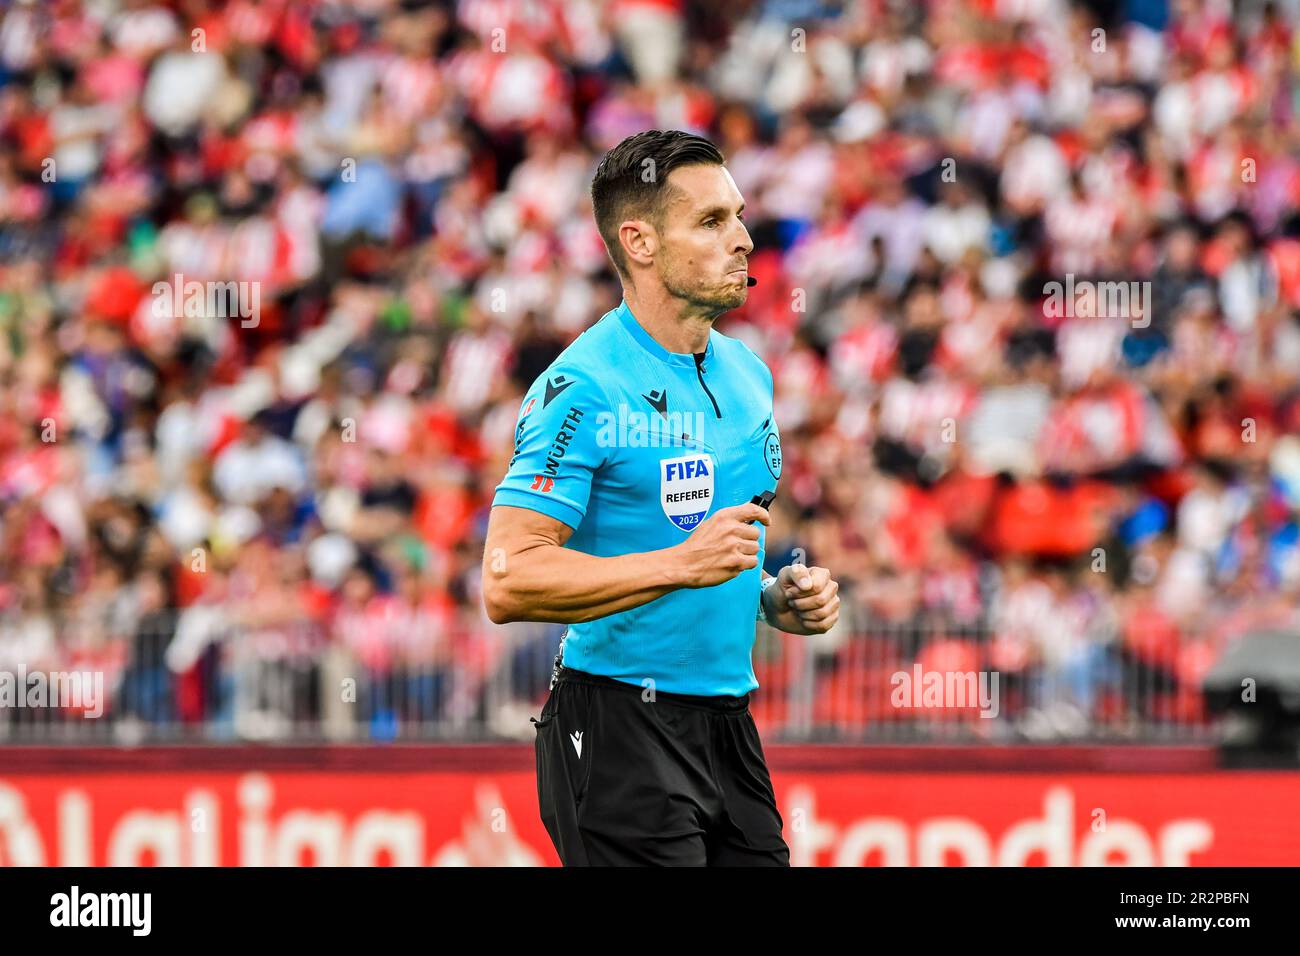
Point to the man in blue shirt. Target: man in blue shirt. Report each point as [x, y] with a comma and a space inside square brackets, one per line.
[634, 510]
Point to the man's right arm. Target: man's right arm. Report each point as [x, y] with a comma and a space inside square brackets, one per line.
[528, 574]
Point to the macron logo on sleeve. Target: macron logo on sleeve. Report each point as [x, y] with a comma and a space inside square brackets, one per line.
[554, 388]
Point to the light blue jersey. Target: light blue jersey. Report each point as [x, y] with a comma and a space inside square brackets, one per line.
[633, 446]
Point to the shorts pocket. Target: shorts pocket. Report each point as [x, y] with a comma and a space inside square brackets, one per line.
[547, 714]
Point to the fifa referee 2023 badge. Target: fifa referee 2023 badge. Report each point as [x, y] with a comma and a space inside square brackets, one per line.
[635, 511]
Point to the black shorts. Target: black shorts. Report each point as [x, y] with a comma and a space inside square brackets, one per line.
[679, 780]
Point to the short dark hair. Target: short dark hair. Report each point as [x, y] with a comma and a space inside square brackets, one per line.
[631, 182]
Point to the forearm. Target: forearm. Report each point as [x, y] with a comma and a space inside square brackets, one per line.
[559, 585]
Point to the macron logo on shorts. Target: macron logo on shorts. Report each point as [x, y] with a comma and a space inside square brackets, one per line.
[577, 742]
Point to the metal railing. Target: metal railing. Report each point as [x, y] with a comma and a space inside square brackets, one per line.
[196, 676]
[923, 683]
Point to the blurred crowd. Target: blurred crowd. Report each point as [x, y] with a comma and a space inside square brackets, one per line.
[269, 517]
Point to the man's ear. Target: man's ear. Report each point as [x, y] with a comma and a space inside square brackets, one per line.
[639, 240]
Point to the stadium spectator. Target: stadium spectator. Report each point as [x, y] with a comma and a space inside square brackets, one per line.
[232, 514]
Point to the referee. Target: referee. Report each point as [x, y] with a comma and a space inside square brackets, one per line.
[633, 511]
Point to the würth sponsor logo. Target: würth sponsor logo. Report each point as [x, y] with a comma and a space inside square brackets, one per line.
[563, 438]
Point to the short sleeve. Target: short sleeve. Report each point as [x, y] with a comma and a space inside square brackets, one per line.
[556, 447]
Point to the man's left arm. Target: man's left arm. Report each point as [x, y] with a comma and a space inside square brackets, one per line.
[802, 600]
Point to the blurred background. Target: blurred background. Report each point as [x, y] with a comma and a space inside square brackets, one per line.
[264, 524]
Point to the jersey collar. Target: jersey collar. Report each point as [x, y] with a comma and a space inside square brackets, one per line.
[646, 340]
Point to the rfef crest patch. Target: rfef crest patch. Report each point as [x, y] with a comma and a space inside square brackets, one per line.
[772, 453]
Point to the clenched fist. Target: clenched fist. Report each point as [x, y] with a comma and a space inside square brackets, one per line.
[803, 600]
[721, 547]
